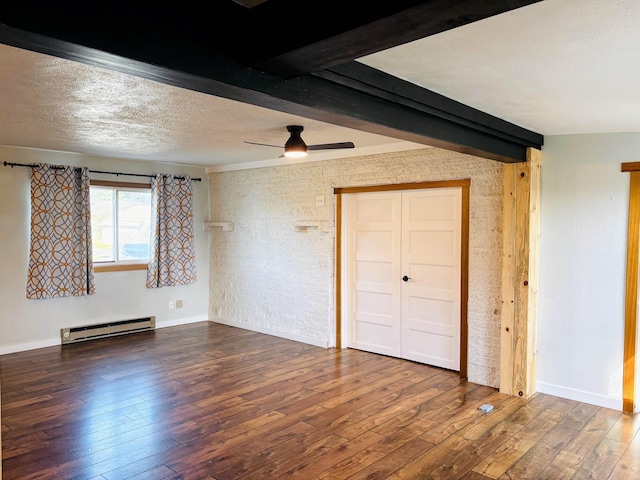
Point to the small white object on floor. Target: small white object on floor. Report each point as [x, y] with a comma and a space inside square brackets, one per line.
[486, 408]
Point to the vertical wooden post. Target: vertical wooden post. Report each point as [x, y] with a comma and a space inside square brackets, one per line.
[521, 244]
[631, 302]
[507, 314]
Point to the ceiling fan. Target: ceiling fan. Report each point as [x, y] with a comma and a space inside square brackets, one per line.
[296, 148]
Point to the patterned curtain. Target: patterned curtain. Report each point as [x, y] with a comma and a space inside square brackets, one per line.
[60, 261]
[173, 258]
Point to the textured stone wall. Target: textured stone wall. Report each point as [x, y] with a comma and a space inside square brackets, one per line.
[267, 276]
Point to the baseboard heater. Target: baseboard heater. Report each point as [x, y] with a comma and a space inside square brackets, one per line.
[109, 329]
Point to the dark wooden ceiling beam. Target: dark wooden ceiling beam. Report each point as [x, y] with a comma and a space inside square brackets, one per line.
[349, 95]
[334, 38]
[363, 78]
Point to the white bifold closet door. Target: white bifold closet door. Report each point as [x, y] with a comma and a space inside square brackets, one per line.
[402, 271]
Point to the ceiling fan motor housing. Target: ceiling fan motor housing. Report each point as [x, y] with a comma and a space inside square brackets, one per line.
[295, 146]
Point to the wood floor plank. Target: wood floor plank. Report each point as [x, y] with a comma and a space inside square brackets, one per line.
[314, 466]
[286, 463]
[448, 425]
[625, 428]
[529, 466]
[534, 459]
[481, 452]
[564, 466]
[484, 423]
[429, 461]
[600, 462]
[382, 468]
[252, 445]
[403, 443]
[593, 432]
[381, 416]
[628, 466]
[558, 437]
[261, 454]
[208, 401]
[533, 406]
[493, 466]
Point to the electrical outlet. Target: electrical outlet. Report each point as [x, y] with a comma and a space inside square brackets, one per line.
[178, 303]
[171, 304]
[319, 200]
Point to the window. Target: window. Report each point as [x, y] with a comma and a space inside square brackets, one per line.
[120, 225]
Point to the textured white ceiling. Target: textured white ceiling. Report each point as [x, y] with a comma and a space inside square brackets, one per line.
[55, 104]
[555, 67]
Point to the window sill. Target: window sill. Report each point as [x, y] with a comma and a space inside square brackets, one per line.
[119, 267]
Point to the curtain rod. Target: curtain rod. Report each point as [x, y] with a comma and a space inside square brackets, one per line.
[9, 164]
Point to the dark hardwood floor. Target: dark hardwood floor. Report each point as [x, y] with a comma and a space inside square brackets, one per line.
[208, 401]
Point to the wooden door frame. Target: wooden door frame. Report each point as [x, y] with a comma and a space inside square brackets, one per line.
[631, 294]
[464, 185]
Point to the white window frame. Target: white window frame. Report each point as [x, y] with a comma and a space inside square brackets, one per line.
[122, 265]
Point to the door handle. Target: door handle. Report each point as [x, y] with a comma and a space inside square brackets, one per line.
[406, 279]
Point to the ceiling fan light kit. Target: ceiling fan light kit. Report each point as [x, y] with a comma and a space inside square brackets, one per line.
[291, 153]
[296, 148]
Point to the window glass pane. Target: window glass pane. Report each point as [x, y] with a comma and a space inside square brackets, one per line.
[102, 224]
[134, 224]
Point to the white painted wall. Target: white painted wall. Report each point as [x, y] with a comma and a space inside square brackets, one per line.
[584, 209]
[26, 324]
[267, 277]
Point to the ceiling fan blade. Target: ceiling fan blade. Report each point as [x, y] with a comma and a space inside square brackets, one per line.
[331, 146]
[264, 144]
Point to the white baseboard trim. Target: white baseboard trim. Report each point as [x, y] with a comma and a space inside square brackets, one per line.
[580, 396]
[182, 321]
[23, 347]
[269, 331]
